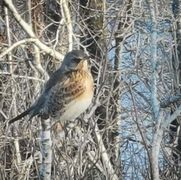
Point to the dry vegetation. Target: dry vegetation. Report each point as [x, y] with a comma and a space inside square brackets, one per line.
[135, 60]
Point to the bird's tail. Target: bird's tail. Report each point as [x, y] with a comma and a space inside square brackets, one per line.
[28, 111]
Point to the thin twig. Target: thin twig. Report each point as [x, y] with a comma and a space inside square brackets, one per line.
[9, 49]
[29, 31]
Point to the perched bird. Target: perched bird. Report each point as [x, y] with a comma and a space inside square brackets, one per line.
[67, 93]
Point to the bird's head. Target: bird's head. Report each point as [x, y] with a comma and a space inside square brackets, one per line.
[75, 60]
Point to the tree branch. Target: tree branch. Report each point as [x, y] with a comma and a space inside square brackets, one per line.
[29, 31]
[171, 100]
[104, 155]
[157, 113]
[9, 49]
[67, 18]
[177, 113]
[46, 150]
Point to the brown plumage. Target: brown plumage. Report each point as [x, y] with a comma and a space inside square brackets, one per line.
[67, 93]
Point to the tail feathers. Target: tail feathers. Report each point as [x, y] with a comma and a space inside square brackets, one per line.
[28, 111]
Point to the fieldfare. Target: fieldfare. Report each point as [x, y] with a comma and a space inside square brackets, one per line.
[67, 93]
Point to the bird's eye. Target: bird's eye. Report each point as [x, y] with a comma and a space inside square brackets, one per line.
[77, 60]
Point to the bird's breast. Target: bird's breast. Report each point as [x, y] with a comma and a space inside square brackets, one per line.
[67, 102]
[82, 97]
[75, 108]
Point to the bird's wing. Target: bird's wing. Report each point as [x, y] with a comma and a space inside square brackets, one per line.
[58, 76]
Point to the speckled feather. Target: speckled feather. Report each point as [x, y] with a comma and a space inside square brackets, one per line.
[67, 93]
[62, 96]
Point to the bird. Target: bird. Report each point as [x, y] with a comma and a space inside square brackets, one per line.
[68, 92]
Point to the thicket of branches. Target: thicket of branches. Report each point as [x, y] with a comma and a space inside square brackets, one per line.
[135, 60]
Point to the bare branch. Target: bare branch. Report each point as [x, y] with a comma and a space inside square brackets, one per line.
[26, 167]
[9, 49]
[157, 114]
[29, 31]
[175, 115]
[105, 157]
[170, 101]
[68, 22]
[46, 150]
